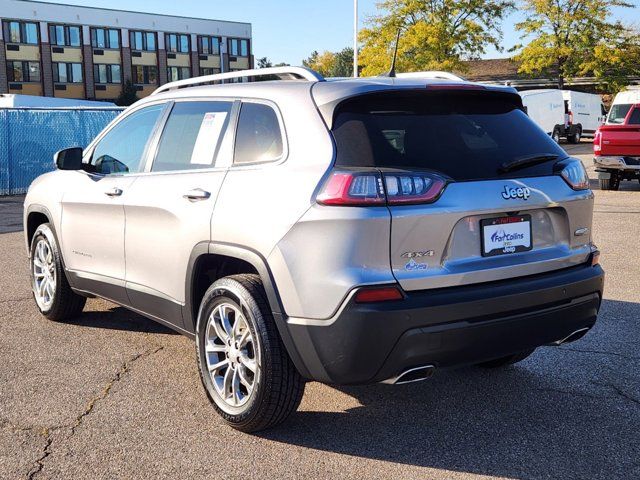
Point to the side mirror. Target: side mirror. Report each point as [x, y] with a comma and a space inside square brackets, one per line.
[69, 159]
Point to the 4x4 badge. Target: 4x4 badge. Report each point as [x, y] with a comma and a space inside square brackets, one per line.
[513, 192]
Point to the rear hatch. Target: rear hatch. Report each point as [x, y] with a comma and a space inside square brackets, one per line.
[476, 191]
[621, 135]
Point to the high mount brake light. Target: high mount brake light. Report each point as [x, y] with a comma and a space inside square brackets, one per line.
[454, 86]
[349, 188]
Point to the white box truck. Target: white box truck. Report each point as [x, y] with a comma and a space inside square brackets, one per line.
[546, 108]
[584, 114]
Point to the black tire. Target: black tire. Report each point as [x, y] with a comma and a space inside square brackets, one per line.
[555, 136]
[278, 387]
[576, 137]
[508, 360]
[65, 303]
[611, 183]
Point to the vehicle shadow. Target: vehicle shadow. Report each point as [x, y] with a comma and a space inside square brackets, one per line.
[120, 318]
[566, 412]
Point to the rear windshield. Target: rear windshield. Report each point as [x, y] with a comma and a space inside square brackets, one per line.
[462, 135]
[618, 113]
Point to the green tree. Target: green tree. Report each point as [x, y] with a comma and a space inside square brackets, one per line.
[572, 38]
[128, 95]
[436, 34]
[331, 64]
[264, 62]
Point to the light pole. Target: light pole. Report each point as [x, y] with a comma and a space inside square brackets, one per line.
[355, 38]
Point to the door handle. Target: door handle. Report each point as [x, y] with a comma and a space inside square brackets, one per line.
[114, 192]
[197, 194]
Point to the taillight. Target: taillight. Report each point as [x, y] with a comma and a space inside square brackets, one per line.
[597, 142]
[352, 188]
[574, 174]
[355, 188]
[570, 118]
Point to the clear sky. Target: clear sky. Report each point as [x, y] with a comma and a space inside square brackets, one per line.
[289, 30]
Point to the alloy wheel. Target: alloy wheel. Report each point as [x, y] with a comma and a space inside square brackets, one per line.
[231, 355]
[44, 274]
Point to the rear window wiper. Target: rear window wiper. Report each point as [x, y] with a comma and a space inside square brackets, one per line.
[527, 161]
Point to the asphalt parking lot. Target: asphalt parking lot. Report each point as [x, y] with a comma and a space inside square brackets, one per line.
[113, 395]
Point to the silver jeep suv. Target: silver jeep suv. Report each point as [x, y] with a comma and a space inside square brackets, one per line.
[343, 231]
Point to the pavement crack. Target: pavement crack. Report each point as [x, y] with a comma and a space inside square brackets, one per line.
[599, 352]
[39, 463]
[621, 392]
[122, 371]
[125, 367]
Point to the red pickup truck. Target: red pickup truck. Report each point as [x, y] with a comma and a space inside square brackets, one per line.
[616, 146]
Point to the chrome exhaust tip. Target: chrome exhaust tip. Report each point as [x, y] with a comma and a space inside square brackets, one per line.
[411, 375]
[581, 332]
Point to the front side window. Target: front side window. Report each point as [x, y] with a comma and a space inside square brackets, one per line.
[122, 149]
[259, 138]
[192, 136]
[618, 113]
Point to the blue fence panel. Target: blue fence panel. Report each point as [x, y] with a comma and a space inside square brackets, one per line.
[29, 138]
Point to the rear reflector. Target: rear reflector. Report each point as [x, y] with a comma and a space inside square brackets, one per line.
[378, 294]
[595, 258]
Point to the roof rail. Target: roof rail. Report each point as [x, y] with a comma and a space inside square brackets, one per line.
[431, 74]
[283, 73]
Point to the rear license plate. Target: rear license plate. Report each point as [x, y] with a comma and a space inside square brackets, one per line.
[505, 235]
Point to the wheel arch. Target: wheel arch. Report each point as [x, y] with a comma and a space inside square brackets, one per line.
[254, 262]
[36, 215]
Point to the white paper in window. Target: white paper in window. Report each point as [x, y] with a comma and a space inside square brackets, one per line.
[208, 136]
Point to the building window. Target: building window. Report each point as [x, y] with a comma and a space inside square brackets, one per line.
[175, 42]
[145, 75]
[142, 41]
[67, 72]
[178, 73]
[208, 71]
[208, 45]
[64, 35]
[238, 47]
[20, 32]
[23, 71]
[105, 38]
[110, 73]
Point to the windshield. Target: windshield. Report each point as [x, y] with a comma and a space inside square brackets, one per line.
[462, 135]
[618, 113]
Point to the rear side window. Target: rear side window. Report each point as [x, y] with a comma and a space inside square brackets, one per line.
[618, 113]
[634, 118]
[191, 136]
[462, 135]
[258, 138]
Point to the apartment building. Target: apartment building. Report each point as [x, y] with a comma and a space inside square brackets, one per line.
[88, 53]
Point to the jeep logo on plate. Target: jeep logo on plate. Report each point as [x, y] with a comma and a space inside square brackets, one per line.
[516, 192]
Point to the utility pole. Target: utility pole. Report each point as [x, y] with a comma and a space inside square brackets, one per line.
[355, 38]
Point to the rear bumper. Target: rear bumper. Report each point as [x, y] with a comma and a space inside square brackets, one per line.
[448, 327]
[615, 162]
